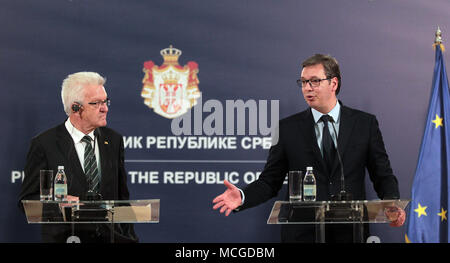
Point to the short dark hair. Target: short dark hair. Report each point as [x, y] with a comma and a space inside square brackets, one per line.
[330, 66]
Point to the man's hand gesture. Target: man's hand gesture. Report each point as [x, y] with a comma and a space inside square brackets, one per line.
[229, 200]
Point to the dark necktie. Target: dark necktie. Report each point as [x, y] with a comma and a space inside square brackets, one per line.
[328, 149]
[90, 165]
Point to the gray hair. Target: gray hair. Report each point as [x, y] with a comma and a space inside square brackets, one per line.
[72, 90]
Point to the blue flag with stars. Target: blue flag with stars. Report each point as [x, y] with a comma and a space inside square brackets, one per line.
[427, 218]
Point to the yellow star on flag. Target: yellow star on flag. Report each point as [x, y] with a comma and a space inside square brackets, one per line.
[443, 214]
[438, 121]
[420, 210]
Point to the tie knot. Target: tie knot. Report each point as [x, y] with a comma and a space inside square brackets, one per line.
[86, 139]
[326, 118]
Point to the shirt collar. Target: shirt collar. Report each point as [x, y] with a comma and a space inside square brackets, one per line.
[76, 134]
[335, 113]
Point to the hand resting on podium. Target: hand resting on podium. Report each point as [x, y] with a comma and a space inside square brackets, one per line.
[70, 198]
[396, 215]
[231, 199]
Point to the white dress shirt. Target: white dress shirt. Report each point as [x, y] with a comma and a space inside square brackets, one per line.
[77, 135]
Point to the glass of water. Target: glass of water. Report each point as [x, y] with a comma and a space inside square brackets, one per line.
[46, 185]
[295, 185]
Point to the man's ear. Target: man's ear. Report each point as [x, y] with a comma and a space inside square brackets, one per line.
[335, 83]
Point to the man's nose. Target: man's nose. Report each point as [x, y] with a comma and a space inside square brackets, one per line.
[104, 108]
[308, 87]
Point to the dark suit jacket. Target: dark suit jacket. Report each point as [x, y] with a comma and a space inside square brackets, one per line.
[360, 144]
[55, 147]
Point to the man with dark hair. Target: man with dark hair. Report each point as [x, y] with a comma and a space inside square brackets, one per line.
[330, 66]
[301, 144]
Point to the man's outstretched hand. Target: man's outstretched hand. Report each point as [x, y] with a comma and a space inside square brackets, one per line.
[229, 200]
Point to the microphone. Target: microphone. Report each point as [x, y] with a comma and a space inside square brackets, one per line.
[343, 195]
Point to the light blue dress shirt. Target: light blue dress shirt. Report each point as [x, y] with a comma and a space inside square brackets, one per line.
[335, 113]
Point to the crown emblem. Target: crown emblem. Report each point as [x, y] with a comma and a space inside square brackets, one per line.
[170, 78]
[170, 55]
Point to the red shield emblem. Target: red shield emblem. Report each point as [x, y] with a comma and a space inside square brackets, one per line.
[171, 98]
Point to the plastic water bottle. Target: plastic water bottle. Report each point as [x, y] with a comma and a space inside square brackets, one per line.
[309, 185]
[60, 186]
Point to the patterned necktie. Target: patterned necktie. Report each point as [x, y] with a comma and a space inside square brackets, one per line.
[329, 152]
[90, 165]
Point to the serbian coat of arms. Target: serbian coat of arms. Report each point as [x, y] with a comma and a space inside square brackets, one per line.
[170, 89]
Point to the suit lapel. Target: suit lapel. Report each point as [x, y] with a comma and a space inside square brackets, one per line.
[104, 152]
[76, 180]
[346, 125]
[310, 134]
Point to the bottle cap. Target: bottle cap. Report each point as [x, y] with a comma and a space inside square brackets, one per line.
[60, 167]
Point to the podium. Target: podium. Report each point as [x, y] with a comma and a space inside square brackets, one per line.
[92, 212]
[321, 213]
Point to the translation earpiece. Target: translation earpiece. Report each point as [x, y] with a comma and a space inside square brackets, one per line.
[76, 107]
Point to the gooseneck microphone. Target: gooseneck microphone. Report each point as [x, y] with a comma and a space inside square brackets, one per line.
[343, 195]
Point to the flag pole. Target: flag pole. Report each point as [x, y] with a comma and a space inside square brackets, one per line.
[427, 219]
[438, 39]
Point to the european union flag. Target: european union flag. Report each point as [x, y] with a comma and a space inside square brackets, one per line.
[427, 220]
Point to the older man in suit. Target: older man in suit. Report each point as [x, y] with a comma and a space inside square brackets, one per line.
[83, 133]
[301, 144]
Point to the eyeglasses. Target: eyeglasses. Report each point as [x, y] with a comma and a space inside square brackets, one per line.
[99, 103]
[312, 82]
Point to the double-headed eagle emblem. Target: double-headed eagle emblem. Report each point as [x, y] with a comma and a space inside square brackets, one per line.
[170, 89]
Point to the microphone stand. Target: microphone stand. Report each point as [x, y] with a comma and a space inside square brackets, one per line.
[343, 195]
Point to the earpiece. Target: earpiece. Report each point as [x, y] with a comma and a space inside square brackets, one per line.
[76, 107]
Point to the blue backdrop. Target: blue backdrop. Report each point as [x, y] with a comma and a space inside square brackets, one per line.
[247, 50]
